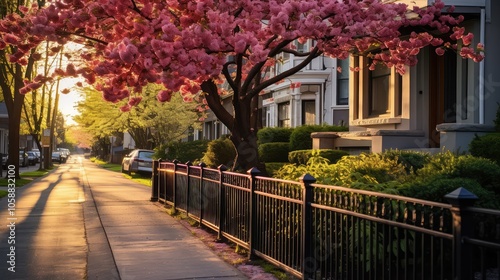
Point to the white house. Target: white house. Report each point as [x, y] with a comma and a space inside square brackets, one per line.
[441, 103]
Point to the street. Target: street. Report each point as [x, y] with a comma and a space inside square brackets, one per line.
[48, 239]
[84, 222]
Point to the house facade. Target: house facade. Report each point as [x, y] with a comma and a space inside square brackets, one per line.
[321, 98]
[441, 103]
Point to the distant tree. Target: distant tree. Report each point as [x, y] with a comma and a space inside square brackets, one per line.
[40, 108]
[150, 123]
[192, 46]
[13, 71]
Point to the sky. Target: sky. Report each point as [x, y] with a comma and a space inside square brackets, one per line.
[67, 102]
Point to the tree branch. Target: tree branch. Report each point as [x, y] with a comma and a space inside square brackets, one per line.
[314, 53]
[65, 33]
[215, 103]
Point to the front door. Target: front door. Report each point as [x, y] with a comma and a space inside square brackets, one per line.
[442, 93]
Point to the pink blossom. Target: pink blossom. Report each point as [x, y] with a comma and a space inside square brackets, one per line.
[480, 47]
[458, 32]
[22, 61]
[10, 39]
[467, 39]
[164, 96]
[71, 70]
[182, 44]
[125, 108]
[128, 53]
[133, 101]
[440, 51]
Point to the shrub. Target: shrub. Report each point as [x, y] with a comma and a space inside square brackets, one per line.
[274, 134]
[448, 165]
[366, 171]
[220, 151]
[182, 151]
[318, 167]
[482, 170]
[274, 152]
[440, 164]
[370, 169]
[487, 146]
[412, 160]
[300, 139]
[303, 156]
[273, 167]
[435, 190]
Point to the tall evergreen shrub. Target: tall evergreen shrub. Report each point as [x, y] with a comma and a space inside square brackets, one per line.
[301, 136]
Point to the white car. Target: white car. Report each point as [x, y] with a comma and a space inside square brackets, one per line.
[138, 161]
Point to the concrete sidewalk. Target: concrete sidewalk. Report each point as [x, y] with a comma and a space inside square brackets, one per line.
[146, 242]
[84, 222]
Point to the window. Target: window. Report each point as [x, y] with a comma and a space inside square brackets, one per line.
[377, 95]
[308, 112]
[284, 114]
[265, 117]
[379, 82]
[301, 47]
[343, 82]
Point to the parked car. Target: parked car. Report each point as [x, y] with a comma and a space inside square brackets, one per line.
[57, 157]
[64, 153]
[23, 159]
[138, 161]
[32, 158]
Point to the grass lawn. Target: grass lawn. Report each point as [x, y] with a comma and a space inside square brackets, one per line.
[144, 180]
[3, 193]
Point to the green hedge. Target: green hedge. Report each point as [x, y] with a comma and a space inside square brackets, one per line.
[274, 152]
[487, 146]
[412, 160]
[303, 156]
[435, 190]
[274, 134]
[422, 176]
[219, 151]
[182, 151]
[300, 139]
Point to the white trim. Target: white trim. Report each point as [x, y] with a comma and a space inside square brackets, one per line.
[481, 70]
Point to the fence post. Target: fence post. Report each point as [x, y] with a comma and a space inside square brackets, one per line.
[174, 186]
[222, 203]
[462, 227]
[202, 167]
[188, 166]
[155, 188]
[252, 210]
[308, 261]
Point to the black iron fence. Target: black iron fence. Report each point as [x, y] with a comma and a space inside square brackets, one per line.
[315, 231]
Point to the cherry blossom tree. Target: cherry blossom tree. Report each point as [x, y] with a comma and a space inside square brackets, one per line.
[192, 46]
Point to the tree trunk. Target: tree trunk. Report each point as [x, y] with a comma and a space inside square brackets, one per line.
[247, 154]
[242, 124]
